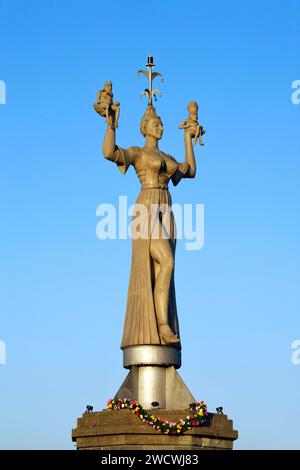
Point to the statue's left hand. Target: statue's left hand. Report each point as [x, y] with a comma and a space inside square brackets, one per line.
[190, 131]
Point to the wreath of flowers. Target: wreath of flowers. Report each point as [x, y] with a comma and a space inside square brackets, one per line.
[159, 424]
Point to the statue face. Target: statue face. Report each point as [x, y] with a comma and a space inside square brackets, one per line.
[108, 87]
[155, 128]
[193, 112]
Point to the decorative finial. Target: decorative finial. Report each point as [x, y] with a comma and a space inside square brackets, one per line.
[150, 76]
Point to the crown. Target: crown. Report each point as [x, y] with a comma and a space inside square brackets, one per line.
[150, 75]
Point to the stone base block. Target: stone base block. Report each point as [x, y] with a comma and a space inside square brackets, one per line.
[121, 430]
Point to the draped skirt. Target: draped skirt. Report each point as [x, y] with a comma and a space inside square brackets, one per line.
[141, 326]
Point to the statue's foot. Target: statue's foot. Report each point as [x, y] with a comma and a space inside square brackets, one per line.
[167, 336]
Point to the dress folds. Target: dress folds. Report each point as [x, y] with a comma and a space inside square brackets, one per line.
[140, 326]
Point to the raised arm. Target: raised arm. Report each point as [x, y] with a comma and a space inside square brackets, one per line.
[109, 144]
[122, 157]
[189, 152]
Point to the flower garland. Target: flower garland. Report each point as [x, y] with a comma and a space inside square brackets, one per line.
[161, 425]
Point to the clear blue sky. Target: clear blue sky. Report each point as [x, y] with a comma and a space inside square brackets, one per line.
[64, 291]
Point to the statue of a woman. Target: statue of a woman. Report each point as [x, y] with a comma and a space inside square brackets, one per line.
[151, 314]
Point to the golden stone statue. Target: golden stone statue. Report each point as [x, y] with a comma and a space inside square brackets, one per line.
[151, 315]
[105, 106]
[192, 122]
[151, 341]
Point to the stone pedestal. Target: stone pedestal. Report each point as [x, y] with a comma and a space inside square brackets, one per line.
[152, 377]
[121, 430]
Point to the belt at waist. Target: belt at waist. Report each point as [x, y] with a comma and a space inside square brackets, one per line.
[155, 186]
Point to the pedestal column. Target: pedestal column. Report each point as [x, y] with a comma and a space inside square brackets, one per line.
[153, 377]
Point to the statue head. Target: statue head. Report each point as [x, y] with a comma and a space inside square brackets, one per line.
[108, 87]
[151, 124]
[193, 110]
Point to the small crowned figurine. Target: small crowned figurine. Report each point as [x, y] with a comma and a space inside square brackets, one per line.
[192, 122]
[106, 107]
